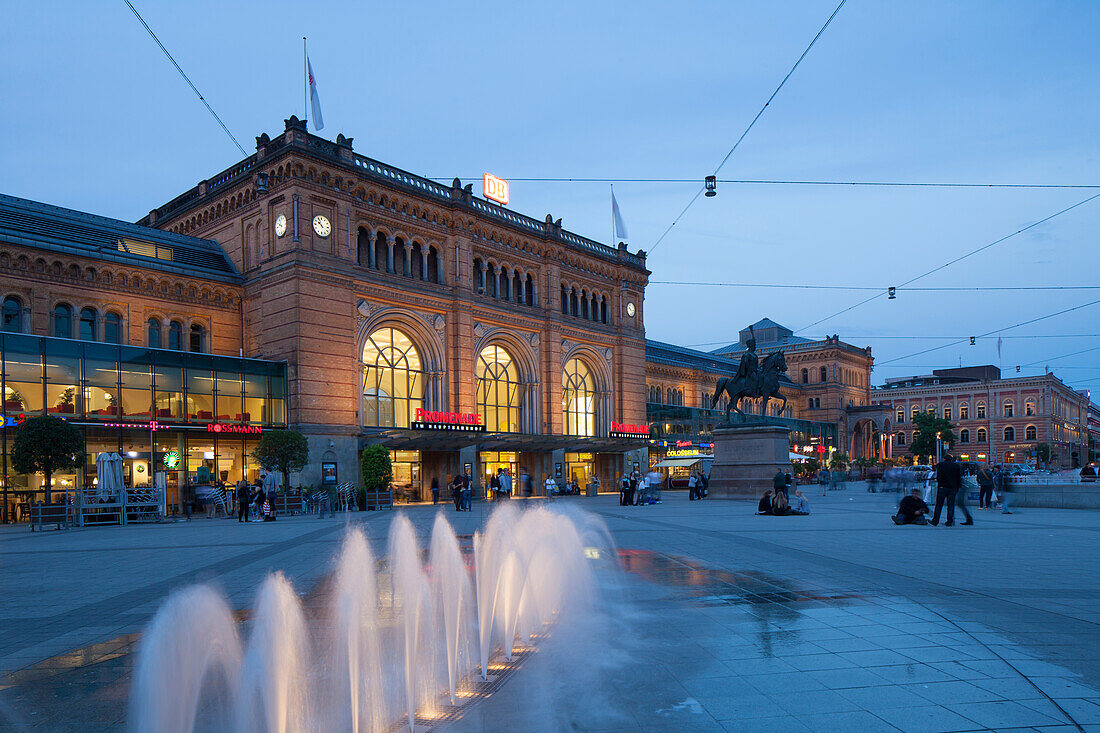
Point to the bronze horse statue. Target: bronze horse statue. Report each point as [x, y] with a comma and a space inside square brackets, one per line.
[764, 384]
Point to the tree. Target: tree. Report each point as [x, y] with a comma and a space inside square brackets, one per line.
[377, 469]
[924, 438]
[46, 444]
[283, 451]
[839, 461]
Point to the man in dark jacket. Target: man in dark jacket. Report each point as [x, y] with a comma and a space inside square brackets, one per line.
[985, 488]
[779, 482]
[243, 495]
[948, 483]
[912, 510]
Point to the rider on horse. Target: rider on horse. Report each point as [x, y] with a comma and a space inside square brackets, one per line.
[750, 364]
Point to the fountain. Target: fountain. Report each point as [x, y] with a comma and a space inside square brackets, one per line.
[360, 664]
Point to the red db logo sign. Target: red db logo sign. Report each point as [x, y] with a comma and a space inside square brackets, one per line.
[496, 189]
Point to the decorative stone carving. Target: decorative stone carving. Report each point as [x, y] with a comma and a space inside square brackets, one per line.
[363, 307]
[479, 330]
[533, 339]
[607, 355]
[440, 323]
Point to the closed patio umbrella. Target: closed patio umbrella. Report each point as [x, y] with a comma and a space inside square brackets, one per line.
[116, 465]
[105, 476]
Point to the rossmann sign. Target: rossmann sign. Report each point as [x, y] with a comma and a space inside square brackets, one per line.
[622, 430]
[457, 422]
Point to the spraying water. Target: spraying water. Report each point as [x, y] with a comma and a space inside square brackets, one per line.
[353, 666]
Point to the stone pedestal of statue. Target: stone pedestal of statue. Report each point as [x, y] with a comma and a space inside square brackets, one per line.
[746, 459]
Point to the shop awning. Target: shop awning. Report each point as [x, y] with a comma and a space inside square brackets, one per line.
[682, 462]
[398, 439]
[797, 456]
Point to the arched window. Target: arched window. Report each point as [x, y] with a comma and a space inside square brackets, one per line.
[381, 252]
[981, 435]
[901, 414]
[492, 284]
[1009, 408]
[980, 410]
[1010, 433]
[400, 262]
[1029, 408]
[901, 438]
[603, 309]
[947, 412]
[112, 328]
[824, 374]
[578, 399]
[811, 405]
[393, 383]
[573, 306]
[175, 336]
[529, 291]
[416, 266]
[63, 321]
[479, 276]
[964, 411]
[564, 301]
[88, 329]
[1030, 433]
[499, 392]
[913, 412]
[805, 376]
[584, 305]
[362, 247]
[198, 338]
[964, 436]
[13, 314]
[433, 265]
[153, 333]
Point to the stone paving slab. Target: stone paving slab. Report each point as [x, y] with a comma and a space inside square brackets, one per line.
[836, 621]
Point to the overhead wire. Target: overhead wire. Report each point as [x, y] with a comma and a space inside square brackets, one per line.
[990, 333]
[791, 182]
[958, 259]
[186, 78]
[874, 288]
[751, 124]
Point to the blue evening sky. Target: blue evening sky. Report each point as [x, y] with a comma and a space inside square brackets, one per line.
[999, 91]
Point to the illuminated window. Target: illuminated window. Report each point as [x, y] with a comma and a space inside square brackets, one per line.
[393, 383]
[198, 338]
[1029, 408]
[578, 399]
[1009, 408]
[1030, 433]
[980, 408]
[914, 412]
[499, 393]
[981, 435]
[901, 414]
[946, 412]
[964, 411]
[901, 438]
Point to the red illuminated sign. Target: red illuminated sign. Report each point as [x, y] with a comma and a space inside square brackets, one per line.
[496, 189]
[684, 443]
[462, 422]
[234, 429]
[621, 430]
[819, 448]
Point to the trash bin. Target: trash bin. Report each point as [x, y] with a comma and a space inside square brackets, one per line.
[591, 490]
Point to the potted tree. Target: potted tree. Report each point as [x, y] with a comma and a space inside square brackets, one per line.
[45, 444]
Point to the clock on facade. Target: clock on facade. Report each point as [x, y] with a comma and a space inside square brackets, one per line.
[280, 225]
[630, 309]
[321, 226]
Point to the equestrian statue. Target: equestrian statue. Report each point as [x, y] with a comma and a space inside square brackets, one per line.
[753, 379]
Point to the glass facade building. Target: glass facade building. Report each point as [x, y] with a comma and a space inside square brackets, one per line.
[177, 419]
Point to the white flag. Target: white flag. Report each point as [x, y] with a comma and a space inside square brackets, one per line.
[314, 99]
[620, 227]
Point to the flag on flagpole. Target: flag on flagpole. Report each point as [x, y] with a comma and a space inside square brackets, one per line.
[617, 216]
[998, 351]
[314, 99]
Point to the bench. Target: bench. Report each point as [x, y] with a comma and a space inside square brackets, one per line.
[55, 514]
[379, 500]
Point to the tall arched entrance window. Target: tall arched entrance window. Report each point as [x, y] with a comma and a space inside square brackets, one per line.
[499, 392]
[578, 398]
[393, 383]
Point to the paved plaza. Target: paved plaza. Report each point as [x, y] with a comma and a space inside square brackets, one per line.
[723, 620]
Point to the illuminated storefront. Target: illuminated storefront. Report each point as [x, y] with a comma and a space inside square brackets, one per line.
[178, 420]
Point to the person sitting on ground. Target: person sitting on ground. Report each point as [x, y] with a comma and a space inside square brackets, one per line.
[912, 509]
[765, 505]
[800, 504]
[780, 507]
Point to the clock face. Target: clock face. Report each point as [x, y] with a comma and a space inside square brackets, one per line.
[280, 226]
[630, 309]
[321, 226]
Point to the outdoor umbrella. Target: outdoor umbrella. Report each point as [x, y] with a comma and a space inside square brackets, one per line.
[117, 485]
[104, 472]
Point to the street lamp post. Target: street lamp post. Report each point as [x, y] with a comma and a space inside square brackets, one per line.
[939, 447]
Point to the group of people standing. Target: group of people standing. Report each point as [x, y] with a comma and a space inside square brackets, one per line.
[257, 499]
[951, 493]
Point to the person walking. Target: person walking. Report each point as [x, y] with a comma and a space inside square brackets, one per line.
[549, 487]
[456, 492]
[271, 492]
[985, 487]
[435, 489]
[494, 485]
[1000, 484]
[823, 479]
[467, 480]
[242, 500]
[505, 484]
